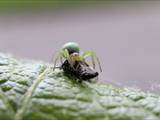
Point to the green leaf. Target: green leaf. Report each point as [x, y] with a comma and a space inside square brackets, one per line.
[32, 91]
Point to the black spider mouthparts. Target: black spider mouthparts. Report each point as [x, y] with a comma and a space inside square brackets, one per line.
[80, 70]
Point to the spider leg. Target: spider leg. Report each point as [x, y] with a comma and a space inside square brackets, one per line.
[65, 54]
[93, 54]
[76, 67]
[85, 55]
[55, 62]
[89, 54]
[99, 64]
[67, 57]
[93, 62]
[55, 58]
[93, 58]
[61, 59]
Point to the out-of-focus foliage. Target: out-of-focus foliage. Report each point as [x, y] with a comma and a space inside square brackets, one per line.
[50, 4]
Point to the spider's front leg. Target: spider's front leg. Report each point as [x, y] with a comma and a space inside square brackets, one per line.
[63, 54]
[93, 58]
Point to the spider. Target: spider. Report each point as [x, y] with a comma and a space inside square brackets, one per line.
[73, 63]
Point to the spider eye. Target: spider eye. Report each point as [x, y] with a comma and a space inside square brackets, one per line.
[72, 47]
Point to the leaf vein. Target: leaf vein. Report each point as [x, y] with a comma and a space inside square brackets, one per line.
[28, 95]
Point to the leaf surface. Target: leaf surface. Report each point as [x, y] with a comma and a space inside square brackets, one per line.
[32, 91]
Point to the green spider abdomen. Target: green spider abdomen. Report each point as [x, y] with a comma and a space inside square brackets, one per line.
[72, 47]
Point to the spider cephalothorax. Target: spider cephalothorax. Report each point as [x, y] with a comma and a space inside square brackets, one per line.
[74, 64]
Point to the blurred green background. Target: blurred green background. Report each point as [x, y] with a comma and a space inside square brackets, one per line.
[11, 5]
[34, 4]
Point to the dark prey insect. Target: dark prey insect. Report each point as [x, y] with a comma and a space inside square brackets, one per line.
[75, 64]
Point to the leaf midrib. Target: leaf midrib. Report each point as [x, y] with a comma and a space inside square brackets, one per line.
[28, 95]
